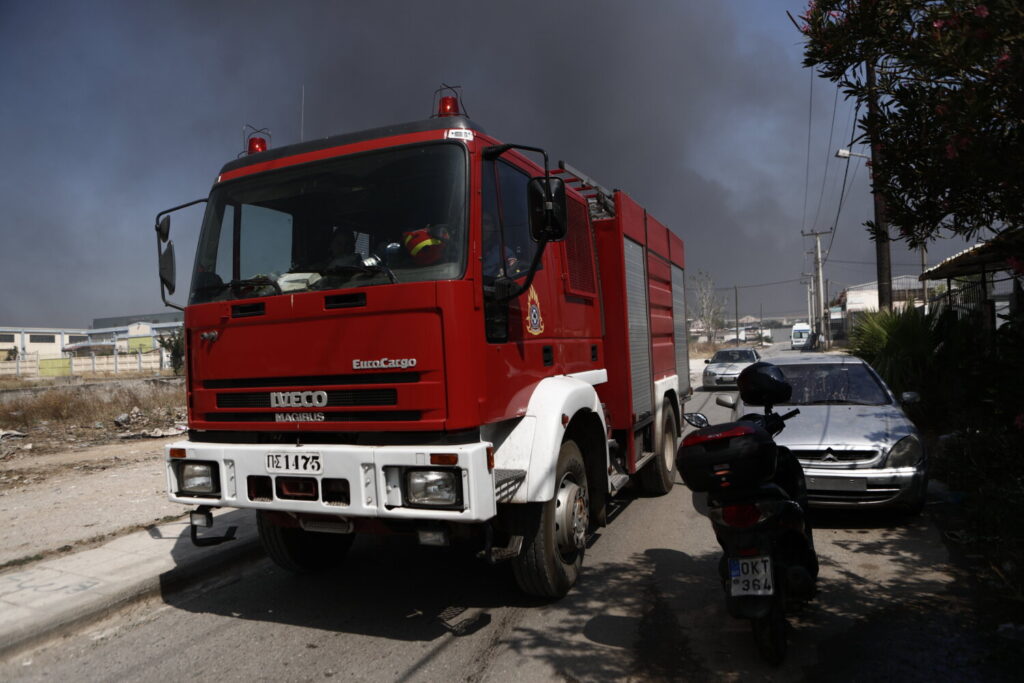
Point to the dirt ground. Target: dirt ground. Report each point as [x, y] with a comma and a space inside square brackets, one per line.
[63, 495]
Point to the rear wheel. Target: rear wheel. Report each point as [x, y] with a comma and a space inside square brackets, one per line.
[658, 476]
[770, 632]
[555, 533]
[300, 551]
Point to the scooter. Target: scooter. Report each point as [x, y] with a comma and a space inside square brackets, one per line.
[756, 497]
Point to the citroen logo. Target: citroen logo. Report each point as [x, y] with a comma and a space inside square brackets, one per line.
[829, 456]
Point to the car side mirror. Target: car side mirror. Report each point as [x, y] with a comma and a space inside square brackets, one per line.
[910, 398]
[546, 202]
[726, 400]
[706, 361]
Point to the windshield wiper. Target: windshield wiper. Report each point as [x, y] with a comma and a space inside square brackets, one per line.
[369, 266]
[258, 281]
[234, 285]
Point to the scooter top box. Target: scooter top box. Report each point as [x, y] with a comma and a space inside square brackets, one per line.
[727, 456]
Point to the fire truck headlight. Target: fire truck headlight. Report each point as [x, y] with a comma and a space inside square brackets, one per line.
[432, 487]
[197, 478]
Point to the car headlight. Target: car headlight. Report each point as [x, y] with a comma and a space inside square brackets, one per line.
[709, 373]
[432, 487]
[906, 453]
[197, 477]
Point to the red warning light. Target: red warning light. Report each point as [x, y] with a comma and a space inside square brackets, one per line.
[448, 106]
[257, 144]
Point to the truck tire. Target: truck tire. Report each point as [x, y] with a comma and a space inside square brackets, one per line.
[555, 533]
[300, 551]
[659, 475]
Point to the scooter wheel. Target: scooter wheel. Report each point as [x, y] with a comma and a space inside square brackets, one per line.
[771, 634]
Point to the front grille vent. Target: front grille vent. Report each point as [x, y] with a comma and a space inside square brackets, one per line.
[361, 416]
[836, 456]
[355, 397]
[314, 380]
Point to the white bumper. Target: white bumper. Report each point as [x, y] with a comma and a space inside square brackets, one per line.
[374, 474]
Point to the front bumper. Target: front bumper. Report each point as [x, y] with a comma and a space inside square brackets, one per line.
[719, 381]
[850, 488]
[372, 475]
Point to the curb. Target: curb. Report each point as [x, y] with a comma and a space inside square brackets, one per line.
[54, 597]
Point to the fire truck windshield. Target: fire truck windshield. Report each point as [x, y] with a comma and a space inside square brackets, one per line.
[396, 215]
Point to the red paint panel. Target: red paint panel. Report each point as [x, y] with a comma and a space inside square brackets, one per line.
[677, 251]
[616, 393]
[657, 237]
[659, 295]
[630, 216]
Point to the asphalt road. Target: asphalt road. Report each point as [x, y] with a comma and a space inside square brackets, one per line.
[647, 607]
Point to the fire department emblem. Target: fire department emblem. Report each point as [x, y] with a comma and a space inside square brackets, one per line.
[534, 320]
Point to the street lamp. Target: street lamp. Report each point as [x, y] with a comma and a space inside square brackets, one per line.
[846, 154]
[883, 262]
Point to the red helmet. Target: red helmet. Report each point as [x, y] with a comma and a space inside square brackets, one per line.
[425, 247]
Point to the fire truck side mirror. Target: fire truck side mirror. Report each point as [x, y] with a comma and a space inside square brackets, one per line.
[167, 275]
[546, 198]
[163, 228]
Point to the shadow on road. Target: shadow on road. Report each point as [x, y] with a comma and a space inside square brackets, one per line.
[888, 608]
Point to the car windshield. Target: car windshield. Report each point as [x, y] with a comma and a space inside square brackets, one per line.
[833, 383]
[733, 356]
[396, 215]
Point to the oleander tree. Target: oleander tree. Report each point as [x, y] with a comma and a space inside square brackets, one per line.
[950, 92]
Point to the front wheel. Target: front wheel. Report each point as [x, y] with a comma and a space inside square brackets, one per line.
[300, 551]
[771, 633]
[555, 533]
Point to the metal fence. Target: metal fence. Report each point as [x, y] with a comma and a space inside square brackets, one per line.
[32, 366]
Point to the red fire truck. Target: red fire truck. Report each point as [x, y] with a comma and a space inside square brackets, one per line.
[420, 329]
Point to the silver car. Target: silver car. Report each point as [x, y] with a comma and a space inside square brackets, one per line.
[726, 365]
[856, 445]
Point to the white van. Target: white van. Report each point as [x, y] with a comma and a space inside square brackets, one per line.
[799, 336]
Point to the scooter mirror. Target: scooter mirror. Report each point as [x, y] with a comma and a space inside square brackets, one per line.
[696, 419]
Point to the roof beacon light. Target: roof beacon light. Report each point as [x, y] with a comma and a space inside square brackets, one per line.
[256, 144]
[254, 140]
[448, 106]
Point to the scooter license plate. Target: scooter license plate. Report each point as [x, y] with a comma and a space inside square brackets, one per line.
[751, 575]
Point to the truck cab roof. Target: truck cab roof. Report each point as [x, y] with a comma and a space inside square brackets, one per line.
[438, 123]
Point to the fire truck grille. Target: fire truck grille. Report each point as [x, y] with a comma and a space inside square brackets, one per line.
[362, 416]
[314, 380]
[354, 397]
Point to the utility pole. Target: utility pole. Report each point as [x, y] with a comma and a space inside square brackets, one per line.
[760, 324]
[819, 278]
[810, 294]
[736, 297]
[924, 283]
[884, 263]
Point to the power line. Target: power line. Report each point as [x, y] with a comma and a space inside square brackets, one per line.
[763, 284]
[871, 263]
[828, 159]
[842, 191]
[807, 170]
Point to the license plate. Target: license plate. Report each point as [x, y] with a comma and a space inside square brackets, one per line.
[836, 484]
[294, 463]
[751, 575]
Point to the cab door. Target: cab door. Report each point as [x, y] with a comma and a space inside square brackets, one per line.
[519, 333]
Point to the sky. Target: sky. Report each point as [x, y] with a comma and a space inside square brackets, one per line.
[113, 111]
